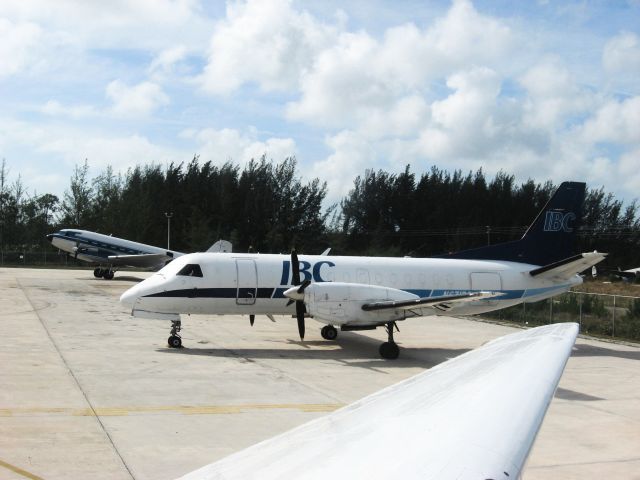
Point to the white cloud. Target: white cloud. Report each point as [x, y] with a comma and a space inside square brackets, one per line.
[141, 99]
[228, 144]
[18, 45]
[352, 154]
[166, 60]
[55, 108]
[264, 42]
[615, 121]
[359, 77]
[622, 54]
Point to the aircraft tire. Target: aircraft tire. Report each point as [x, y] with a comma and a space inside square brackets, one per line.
[329, 332]
[108, 274]
[389, 351]
[98, 272]
[174, 341]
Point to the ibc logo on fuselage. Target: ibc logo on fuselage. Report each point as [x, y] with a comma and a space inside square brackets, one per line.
[558, 222]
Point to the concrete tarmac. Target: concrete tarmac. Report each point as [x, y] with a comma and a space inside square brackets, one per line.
[89, 392]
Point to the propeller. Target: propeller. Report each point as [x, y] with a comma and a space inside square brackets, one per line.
[297, 294]
[252, 318]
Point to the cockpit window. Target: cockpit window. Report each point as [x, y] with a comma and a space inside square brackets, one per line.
[191, 270]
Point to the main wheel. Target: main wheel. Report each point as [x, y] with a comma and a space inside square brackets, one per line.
[329, 332]
[98, 272]
[390, 351]
[174, 341]
[108, 274]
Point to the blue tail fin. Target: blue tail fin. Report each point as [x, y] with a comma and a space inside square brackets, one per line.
[550, 238]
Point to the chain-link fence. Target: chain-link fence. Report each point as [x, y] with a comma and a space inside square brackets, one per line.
[616, 316]
[38, 259]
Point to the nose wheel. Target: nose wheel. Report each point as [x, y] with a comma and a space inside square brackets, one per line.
[390, 349]
[174, 340]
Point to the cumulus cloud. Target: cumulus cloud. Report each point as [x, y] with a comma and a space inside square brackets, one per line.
[18, 45]
[137, 100]
[264, 42]
[615, 121]
[622, 53]
[228, 144]
[359, 77]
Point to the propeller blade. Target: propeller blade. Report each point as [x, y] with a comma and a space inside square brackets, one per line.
[295, 278]
[252, 318]
[300, 316]
[304, 285]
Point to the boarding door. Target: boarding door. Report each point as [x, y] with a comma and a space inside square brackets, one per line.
[486, 282]
[247, 281]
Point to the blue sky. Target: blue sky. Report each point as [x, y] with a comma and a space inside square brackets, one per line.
[543, 90]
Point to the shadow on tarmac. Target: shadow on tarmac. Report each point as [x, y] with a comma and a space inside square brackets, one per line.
[581, 350]
[354, 350]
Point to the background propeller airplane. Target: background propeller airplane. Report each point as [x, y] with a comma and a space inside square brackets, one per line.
[113, 252]
[363, 293]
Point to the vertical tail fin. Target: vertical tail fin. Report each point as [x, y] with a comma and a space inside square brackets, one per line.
[550, 238]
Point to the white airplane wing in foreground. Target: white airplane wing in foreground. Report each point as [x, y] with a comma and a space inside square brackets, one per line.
[473, 417]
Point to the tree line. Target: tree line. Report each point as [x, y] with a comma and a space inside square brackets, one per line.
[267, 207]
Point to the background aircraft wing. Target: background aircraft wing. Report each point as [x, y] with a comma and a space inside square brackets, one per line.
[148, 260]
[443, 302]
[473, 417]
[567, 268]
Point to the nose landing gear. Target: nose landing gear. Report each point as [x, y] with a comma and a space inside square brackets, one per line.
[174, 340]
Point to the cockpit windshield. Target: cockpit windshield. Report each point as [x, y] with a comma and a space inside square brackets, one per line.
[191, 270]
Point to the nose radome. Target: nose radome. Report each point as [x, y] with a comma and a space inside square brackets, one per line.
[129, 297]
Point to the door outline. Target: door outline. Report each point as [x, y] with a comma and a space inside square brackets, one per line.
[247, 281]
[486, 282]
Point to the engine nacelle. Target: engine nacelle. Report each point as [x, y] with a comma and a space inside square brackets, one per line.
[338, 303]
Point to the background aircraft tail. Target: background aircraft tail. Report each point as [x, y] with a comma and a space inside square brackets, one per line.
[550, 238]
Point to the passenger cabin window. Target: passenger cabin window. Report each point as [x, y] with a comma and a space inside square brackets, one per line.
[191, 270]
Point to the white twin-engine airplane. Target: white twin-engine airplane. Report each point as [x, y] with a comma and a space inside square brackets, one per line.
[363, 293]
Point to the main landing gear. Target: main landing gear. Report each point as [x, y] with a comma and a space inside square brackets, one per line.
[106, 273]
[329, 332]
[390, 349]
[174, 340]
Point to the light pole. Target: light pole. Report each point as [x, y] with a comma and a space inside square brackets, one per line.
[168, 215]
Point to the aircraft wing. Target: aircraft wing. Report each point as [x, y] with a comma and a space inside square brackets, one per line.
[148, 260]
[567, 268]
[473, 417]
[444, 302]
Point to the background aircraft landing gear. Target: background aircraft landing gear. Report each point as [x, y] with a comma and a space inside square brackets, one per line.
[174, 340]
[329, 332]
[108, 274]
[390, 349]
[97, 272]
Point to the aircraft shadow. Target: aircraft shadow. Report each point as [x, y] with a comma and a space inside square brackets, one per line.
[354, 351]
[581, 350]
[119, 278]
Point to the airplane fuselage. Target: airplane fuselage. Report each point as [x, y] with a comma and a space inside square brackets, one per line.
[255, 284]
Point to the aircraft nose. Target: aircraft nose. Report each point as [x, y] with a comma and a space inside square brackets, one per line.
[128, 298]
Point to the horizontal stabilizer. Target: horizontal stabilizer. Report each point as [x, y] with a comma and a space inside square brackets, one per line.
[475, 416]
[567, 268]
[147, 260]
[443, 302]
